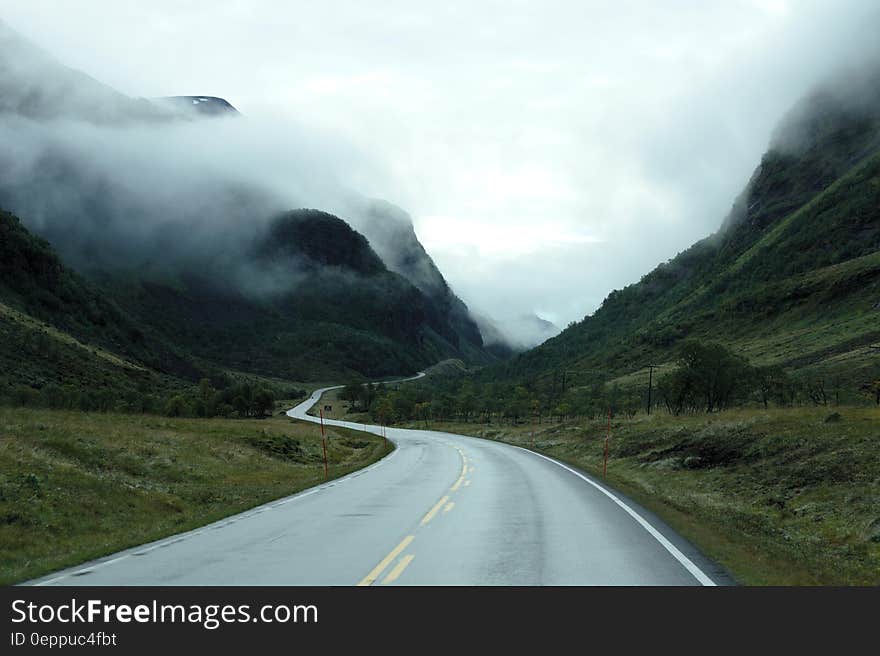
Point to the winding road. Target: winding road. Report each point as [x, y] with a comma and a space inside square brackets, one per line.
[442, 509]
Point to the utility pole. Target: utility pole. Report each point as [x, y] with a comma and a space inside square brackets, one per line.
[650, 385]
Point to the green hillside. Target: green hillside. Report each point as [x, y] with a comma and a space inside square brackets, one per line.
[60, 336]
[316, 303]
[791, 279]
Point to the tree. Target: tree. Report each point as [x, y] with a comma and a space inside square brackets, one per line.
[205, 389]
[423, 411]
[384, 410]
[26, 396]
[562, 410]
[771, 382]
[709, 378]
[815, 390]
[518, 404]
[352, 393]
[263, 402]
[466, 401]
[872, 388]
[241, 405]
[176, 406]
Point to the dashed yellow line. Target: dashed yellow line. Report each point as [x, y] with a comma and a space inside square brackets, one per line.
[457, 483]
[370, 578]
[402, 564]
[433, 511]
[395, 573]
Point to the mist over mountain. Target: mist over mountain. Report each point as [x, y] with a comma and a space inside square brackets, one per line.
[519, 333]
[390, 230]
[180, 210]
[791, 278]
[35, 86]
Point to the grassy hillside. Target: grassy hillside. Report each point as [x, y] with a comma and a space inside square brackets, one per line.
[77, 486]
[34, 282]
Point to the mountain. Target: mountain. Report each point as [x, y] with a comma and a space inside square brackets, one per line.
[206, 264]
[391, 231]
[35, 86]
[327, 308]
[519, 334]
[792, 277]
[57, 330]
[209, 106]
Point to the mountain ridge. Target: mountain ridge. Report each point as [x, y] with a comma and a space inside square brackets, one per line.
[213, 269]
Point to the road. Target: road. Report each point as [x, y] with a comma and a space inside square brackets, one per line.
[442, 509]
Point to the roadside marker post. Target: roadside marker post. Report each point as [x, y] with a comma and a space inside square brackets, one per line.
[324, 445]
[607, 436]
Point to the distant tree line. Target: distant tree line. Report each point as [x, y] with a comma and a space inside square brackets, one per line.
[228, 399]
[708, 378]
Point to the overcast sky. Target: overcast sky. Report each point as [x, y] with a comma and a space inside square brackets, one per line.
[549, 152]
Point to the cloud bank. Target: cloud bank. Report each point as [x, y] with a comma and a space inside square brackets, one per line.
[548, 152]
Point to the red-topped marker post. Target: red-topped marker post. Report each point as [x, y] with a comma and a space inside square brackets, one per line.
[607, 437]
[324, 446]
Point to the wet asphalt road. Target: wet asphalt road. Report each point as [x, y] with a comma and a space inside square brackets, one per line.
[442, 509]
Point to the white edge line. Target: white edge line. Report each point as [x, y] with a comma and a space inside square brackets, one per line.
[686, 562]
[84, 570]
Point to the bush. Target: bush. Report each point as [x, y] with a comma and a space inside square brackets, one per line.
[176, 406]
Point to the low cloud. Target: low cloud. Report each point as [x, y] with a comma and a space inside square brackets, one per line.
[594, 140]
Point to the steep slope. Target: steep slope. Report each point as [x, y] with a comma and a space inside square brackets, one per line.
[391, 233]
[57, 330]
[792, 277]
[311, 301]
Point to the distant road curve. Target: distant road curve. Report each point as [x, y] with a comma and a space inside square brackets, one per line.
[442, 509]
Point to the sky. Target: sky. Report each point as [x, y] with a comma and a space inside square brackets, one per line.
[548, 152]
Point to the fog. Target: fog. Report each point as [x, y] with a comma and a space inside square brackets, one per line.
[119, 182]
[547, 152]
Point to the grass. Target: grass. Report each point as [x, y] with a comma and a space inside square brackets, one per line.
[77, 486]
[36, 325]
[778, 497]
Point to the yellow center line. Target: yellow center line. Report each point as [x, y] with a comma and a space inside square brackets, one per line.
[457, 483]
[433, 511]
[370, 578]
[398, 569]
[377, 571]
